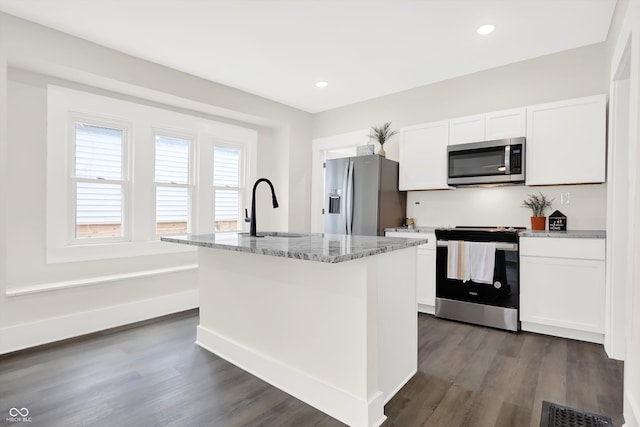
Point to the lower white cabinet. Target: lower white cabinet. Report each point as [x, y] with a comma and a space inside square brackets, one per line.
[562, 287]
[425, 269]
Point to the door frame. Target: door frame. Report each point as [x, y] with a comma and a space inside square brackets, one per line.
[319, 149]
[620, 200]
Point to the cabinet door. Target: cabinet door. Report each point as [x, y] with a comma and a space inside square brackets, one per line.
[426, 280]
[563, 292]
[425, 269]
[562, 287]
[566, 142]
[505, 124]
[466, 129]
[423, 156]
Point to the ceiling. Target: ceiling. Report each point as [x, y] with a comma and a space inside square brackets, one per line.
[364, 49]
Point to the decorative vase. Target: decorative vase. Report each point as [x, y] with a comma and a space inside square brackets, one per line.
[381, 152]
[538, 222]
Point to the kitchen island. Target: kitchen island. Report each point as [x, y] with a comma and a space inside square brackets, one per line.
[329, 319]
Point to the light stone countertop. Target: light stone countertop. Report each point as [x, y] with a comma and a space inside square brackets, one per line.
[570, 234]
[328, 248]
[419, 229]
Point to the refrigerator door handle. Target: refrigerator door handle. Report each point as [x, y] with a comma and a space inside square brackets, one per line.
[342, 226]
[349, 198]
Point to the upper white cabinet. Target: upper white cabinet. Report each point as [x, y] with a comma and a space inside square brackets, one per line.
[566, 142]
[505, 124]
[466, 129]
[486, 127]
[423, 156]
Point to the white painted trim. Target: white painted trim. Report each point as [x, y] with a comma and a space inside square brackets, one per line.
[402, 384]
[141, 120]
[426, 308]
[49, 330]
[319, 146]
[337, 403]
[53, 286]
[632, 415]
[563, 332]
[620, 221]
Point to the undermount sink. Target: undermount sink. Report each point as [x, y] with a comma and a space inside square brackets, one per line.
[275, 234]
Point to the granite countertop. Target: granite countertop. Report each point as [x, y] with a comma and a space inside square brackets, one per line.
[329, 248]
[573, 234]
[421, 229]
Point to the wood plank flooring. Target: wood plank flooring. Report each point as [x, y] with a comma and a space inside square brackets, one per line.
[152, 374]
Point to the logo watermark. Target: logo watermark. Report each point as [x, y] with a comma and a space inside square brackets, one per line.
[18, 415]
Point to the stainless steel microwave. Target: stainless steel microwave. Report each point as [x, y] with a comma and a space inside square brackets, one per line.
[488, 162]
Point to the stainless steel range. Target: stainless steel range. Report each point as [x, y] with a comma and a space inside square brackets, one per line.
[477, 275]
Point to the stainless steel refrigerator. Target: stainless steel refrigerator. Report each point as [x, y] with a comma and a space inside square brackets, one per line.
[362, 197]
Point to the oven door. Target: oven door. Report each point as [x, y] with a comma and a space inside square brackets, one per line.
[504, 290]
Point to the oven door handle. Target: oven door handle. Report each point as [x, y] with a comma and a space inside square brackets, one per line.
[500, 246]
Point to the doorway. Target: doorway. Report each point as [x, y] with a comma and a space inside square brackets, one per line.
[323, 149]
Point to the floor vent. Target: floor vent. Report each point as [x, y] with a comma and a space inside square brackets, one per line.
[554, 415]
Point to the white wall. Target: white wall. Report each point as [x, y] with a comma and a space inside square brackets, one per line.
[106, 293]
[569, 74]
[502, 206]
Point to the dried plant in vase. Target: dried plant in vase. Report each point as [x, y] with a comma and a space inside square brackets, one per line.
[537, 204]
[382, 135]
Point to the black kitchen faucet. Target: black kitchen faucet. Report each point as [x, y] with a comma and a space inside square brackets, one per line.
[252, 219]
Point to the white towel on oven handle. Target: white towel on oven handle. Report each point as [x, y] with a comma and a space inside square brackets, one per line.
[458, 260]
[482, 261]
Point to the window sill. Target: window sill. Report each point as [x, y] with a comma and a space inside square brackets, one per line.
[54, 286]
[101, 251]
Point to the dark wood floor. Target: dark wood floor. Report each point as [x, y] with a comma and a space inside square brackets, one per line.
[152, 374]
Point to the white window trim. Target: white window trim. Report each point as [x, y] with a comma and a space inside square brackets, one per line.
[125, 127]
[144, 121]
[191, 179]
[245, 179]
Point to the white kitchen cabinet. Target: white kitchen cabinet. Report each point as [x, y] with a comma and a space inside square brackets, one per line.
[426, 279]
[505, 124]
[566, 142]
[562, 287]
[467, 129]
[423, 156]
[486, 127]
[425, 270]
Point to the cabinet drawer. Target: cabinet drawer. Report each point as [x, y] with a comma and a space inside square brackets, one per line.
[563, 248]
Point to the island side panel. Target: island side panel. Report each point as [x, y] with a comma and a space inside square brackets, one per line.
[397, 320]
[309, 328]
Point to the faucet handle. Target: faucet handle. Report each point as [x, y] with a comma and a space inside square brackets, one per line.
[246, 216]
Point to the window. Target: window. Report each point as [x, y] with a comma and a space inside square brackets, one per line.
[120, 174]
[228, 188]
[98, 181]
[172, 180]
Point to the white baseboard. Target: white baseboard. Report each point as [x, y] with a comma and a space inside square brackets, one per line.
[397, 389]
[46, 331]
[557, 331]
[426, 308]
[339, 404]
[631, 411]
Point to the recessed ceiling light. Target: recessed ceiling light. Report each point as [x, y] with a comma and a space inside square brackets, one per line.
[322, 84]
[486, 29]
